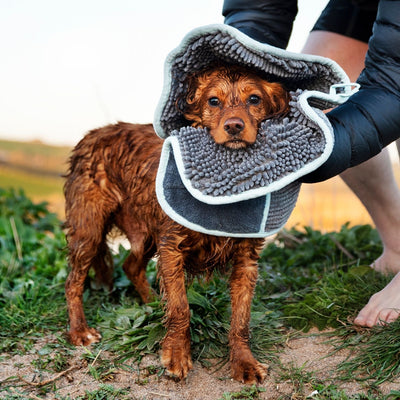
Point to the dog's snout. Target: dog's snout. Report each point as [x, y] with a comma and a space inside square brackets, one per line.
[234, 126]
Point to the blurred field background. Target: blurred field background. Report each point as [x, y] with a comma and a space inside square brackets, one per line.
[37, 168]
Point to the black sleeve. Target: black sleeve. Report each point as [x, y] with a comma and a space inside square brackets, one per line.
[268, 21]
[370, 119]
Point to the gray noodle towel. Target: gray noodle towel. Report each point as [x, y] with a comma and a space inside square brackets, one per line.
[248, 192]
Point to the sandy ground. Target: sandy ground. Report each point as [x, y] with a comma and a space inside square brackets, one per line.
[308, 352]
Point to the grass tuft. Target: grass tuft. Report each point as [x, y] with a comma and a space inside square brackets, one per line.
[374, 353]
[247, 393]
[334, 299]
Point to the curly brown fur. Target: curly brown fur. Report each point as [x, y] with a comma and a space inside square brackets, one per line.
[232, 102]
[111, 182]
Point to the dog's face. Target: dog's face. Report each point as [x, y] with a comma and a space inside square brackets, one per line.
[231, 103]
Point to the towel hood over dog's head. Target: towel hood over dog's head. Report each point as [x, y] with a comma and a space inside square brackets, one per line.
[248, 192]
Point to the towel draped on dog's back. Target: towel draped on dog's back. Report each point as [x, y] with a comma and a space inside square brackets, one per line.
[246, 192]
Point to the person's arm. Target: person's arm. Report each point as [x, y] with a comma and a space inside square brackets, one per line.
[267, 21]
[370, 119]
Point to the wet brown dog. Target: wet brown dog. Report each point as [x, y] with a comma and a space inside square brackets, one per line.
[111, 181]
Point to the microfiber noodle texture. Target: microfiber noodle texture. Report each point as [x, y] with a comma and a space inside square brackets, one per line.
[248, 192]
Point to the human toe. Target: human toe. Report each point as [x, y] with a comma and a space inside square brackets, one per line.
[365, 319]
[387, 316]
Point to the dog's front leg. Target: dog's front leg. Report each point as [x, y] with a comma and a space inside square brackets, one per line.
[245, 368]
[176, 344]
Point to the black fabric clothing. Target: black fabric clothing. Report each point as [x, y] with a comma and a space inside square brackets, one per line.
[348, 18]
[271, 21]
[370, 119]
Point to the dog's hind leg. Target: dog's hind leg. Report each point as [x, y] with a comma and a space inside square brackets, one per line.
[80, 261]
[103, 267]
[135, 269]
[85, 237]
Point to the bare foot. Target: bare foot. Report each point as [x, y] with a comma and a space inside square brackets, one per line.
[383, 307]
[388, 262]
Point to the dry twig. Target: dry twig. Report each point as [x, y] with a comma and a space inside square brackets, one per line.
[342, 248]
[47, 381]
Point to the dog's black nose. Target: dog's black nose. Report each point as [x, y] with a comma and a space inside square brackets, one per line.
[234, 126]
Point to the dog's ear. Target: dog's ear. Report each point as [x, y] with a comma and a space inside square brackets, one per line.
[185, 96]
[189, 104]
[278, 98]
[192, 83]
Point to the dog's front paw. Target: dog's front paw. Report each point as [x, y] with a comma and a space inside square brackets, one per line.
[176, 356]
[246, 369]
[84, 337]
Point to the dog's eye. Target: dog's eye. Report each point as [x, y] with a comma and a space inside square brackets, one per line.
[214, 101]
[254, 100]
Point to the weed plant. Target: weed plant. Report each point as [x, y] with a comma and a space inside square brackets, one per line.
[32, 271]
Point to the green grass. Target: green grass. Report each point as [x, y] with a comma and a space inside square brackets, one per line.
[247, 393]
[375, 353]
[32, 271]
[307, 279]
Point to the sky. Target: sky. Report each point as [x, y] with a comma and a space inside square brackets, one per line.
[68, 66]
